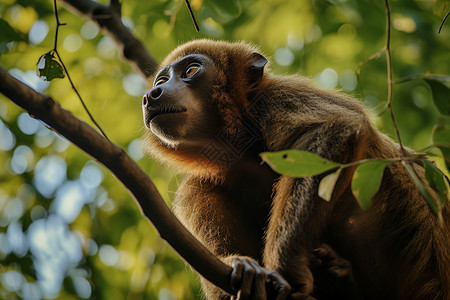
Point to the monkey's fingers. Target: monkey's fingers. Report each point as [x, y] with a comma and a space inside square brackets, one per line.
[259, 282]
[279, 285]
[236, 274]
[324, 252]
[327, 258]
[245, 290]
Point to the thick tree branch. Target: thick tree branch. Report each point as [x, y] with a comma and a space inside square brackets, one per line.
[126, 170]
[108, 18]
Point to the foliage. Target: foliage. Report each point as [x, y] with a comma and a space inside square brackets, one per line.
[48, 68]
[69, 231]
[298, 163]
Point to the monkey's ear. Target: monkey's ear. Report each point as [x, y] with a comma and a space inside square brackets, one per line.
[255, 70]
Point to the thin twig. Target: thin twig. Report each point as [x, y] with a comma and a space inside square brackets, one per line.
[192, 15]
[370, 58]
[415, 157]
[389, 73]
[443, 21]
[55, 50]
[109, 20]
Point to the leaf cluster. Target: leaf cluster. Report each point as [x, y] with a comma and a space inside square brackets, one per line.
[366, 179]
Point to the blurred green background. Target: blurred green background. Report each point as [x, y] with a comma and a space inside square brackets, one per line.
[68, 229]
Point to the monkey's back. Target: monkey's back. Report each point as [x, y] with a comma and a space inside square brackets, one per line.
[411, 259]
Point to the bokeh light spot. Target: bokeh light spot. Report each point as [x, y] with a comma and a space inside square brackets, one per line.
[44, 137]
[404, 23]
[134, 85]
[136, 149]
[91, 175]
[27, 124]
[108, 255]
[22, 160]
[328, 78]
[82, 287]
[295, 42]
[7, 138]
[13, 210]
[284, 57]
[16, 239]
[12, 280]
[49, 173]
[89, 30]
[69, 200]
[106, 48]
[38, 32]
[30, 78]
[72, 43]
[166, 294]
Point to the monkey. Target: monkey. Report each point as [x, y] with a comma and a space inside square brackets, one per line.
[214, 107]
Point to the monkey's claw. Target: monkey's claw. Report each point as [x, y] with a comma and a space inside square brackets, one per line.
[251, 281]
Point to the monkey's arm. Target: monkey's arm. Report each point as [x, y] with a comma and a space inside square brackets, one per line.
[298, 215]
[221, 225]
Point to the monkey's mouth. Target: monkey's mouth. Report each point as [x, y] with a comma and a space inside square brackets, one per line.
[154, 112]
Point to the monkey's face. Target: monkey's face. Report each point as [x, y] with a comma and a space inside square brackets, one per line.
[175, 108]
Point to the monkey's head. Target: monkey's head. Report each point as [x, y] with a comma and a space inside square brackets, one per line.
[200, 91]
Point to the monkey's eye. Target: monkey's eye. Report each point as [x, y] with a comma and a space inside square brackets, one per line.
[191, 70]
[160, 81]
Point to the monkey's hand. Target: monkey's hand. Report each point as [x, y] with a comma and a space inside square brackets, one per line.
[332, 275]
[251, 281]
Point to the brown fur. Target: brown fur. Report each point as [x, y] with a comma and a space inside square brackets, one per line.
[397, 248]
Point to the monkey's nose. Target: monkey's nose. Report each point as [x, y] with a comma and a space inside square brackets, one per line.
[144, 100]
[153, 94]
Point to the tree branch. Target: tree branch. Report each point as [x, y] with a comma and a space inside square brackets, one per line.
[108, 18]
[126, 170]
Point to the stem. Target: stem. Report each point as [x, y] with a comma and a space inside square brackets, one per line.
[57, 25]
[55, 50]
[443, 21]
[79, 96]
[192, 15]
[390, 81]
[370, 58]
[394, 159]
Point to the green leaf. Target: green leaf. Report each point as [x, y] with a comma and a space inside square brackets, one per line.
[431, 201]
[435, 178]
[8, 34]
[48, 68]
[366, 181]
[441, 138]
[297, 163]
[326, 185]
[441, 96]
